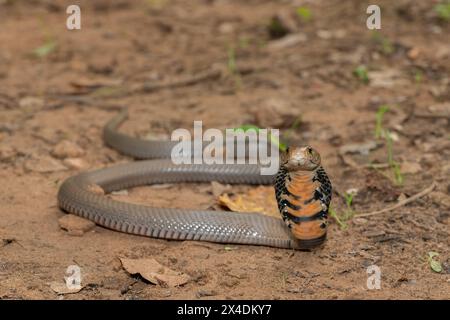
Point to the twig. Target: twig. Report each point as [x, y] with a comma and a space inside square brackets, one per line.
[432, 115]
[9, 241]
[189, 80]
[181, 82]
[401, 203]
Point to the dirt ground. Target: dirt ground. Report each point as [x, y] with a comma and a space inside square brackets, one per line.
[228, 63]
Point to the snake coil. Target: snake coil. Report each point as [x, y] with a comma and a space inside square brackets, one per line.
[303, 193]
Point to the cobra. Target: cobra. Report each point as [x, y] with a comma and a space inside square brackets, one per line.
[303, 193]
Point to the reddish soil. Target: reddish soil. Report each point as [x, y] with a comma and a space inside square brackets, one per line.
[79, 79]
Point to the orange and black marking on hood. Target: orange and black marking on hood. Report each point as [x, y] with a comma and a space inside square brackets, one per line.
[303, 193]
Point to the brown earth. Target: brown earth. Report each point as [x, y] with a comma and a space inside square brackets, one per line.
[68, 89]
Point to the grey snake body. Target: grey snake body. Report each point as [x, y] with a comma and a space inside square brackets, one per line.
[76, 196]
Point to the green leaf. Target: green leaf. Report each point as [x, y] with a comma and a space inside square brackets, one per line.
[432, 254]
[335, 216]
[434, 264]
[379, 120]
[361, 73]
[349, 199]
[45, 49]
[443, 11]
[304, 13]
[246, 127]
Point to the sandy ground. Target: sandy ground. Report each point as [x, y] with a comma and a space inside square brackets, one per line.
[76, 80]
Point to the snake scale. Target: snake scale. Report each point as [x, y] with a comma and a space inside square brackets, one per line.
[303, 193]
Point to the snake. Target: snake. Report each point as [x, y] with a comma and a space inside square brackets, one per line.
[302, 192]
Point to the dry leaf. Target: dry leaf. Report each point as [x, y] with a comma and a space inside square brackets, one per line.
[75, 225]
[260, 199]
[218, 188]
[153, 271]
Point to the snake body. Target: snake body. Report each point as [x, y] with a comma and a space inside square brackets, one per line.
[76, 195]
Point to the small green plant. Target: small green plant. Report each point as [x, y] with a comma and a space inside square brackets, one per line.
[349, 199]
[347, 214]
[48, 47]
[379, 131]
[435, 265]
[332, 212]
[304, 14]
[418, 76]
[361, 73]
[246, 127]
[286, 134]
[443, 11]
[394, 165]
[384, 43]
[231, 65]
[231, 61]
[244, 42]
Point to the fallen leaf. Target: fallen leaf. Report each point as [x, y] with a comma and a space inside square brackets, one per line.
[45, 49]
[434, 264]
[75, 225]
[218, 188]
[153, 271]
[259, 200]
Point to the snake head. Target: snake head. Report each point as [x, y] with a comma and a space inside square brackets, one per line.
[301, 158]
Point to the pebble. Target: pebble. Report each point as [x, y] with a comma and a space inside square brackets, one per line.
[205, 293]
[30, 103]
[67, 149]
[440, 198]
[7, 153]
[360, 221]
[96, 189]
[43, 164]
[120, 193]
[75, 163]
[275, 113]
